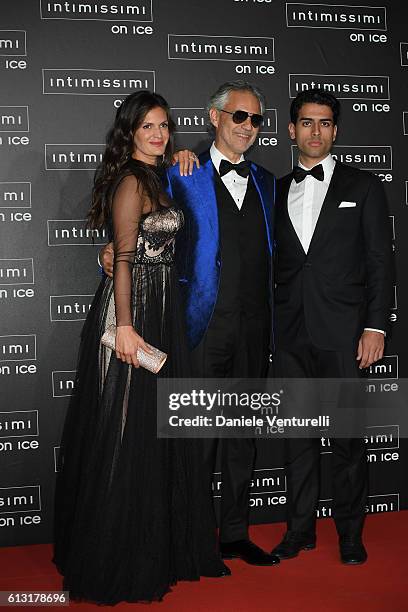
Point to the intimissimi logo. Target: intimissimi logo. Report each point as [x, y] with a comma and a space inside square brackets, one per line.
[269, 480]
[382, 437]
[69, 307]
[14, 119]
[18, 423]
[343, 86]
[20, 499]
[340, 16]
[18, 348]
[220, 48]
[116, 10]
[90, 82]
[195, 120]
[374, 158]
[12, 43]
[385, 369]
[74, 232]
[63, 383]
[15, 195]
[73, 156]
[16, 271]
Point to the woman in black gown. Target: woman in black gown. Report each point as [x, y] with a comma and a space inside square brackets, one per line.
[127, 510]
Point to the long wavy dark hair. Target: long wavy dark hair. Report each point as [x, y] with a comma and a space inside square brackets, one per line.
[119, 148]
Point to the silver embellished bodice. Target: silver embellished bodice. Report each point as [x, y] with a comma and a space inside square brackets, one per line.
[157, 233]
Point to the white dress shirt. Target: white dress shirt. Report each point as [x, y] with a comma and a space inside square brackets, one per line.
[236, 184]
[305, 201]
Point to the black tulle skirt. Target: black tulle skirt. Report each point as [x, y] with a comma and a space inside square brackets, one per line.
[128, 520]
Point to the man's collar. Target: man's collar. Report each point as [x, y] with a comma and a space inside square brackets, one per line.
[328, 164]
[217, 156]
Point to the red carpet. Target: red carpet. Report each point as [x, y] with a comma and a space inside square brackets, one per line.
[315, 581]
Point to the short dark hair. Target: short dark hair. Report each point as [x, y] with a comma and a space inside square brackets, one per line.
[314, 96]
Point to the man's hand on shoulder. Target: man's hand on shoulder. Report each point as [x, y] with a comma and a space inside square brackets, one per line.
[106, 259]
[186, 160]
[370, 348]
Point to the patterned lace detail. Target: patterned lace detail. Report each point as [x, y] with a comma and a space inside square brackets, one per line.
[156, 240]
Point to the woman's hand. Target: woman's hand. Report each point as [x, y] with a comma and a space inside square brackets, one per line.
[127, 343]
[186, 160]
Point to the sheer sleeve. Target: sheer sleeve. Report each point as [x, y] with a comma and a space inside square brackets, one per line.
[127, 209]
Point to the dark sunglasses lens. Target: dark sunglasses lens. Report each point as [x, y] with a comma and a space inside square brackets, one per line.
[256, 120]
[240, 116]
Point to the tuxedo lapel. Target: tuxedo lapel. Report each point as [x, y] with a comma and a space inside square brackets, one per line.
[329, 206]
[267, 199]
[285, 183]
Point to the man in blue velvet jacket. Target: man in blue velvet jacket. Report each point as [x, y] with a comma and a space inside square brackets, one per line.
[224, 261]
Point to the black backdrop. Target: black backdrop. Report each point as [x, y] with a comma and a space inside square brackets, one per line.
[64, 67]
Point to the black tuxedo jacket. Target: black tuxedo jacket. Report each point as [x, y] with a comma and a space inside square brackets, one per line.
[345, 281]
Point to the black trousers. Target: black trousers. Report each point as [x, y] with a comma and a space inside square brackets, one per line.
[236, 345]
[302, 456]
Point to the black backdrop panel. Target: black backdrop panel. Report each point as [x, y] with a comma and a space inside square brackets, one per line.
[64, 68]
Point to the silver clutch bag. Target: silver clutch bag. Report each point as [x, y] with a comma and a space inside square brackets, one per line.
[153, 361]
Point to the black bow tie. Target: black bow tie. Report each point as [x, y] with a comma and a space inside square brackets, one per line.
[299, 173]
[242, 168]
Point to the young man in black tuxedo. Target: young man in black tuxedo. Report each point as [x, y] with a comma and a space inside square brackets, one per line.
[334, 283]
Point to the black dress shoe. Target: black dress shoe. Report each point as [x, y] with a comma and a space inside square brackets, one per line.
[219, 572]
[292, 543]
[248, 552]
[352, 551]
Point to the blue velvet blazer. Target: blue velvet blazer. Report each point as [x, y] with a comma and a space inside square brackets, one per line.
[198, 249]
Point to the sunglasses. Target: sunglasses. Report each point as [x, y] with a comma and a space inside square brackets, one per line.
[240, 116]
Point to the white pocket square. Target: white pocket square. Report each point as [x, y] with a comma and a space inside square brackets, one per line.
[347, 204]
